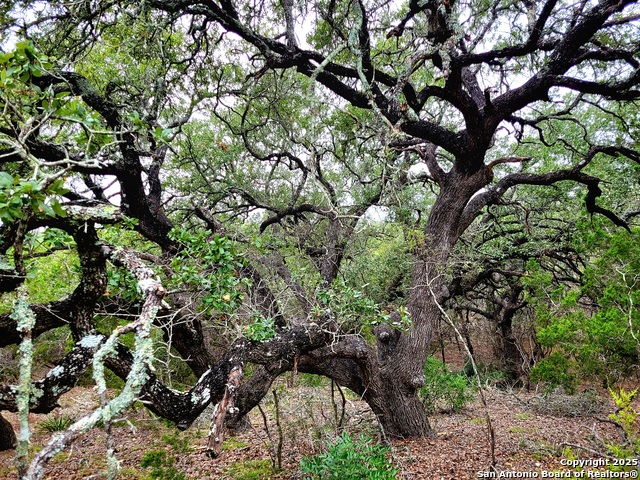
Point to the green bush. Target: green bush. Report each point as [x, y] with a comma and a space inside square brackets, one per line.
[350, 458]
[555, 371]
[444, 390]
[627, 418]
[56, 423]
[162, 466]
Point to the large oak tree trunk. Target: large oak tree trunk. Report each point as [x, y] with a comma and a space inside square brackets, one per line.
[510, 355]
[394, 396]
[399, 409]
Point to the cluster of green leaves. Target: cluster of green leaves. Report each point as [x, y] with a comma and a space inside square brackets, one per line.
[21, 65]
[443, 389]
[23, 106]
[31, 107]
[210, 265]
[555, 370]
[261, 328]
[122, 283]
[354, 310]
[351, 458]
[380, 262]
[17, 193]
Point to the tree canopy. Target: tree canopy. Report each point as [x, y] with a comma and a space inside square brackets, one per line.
[298, 186]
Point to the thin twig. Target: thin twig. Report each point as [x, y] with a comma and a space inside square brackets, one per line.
[490, 430]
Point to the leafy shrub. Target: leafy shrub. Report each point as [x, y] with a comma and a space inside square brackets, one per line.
[350, 458]
[56, 423]
[628, 419]
[589, 343]
[555, 372]
[162, 466]
[444, 390]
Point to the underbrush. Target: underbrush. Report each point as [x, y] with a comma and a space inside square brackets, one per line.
[444, 391]
[56, 423]
[560, 404]
[351, 458]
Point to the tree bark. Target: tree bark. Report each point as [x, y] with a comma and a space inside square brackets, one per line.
[224, 407]
[509, 352]
[392, 391]
[510, 355]
[8, 440]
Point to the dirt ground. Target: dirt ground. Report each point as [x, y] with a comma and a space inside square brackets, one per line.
[532, 434]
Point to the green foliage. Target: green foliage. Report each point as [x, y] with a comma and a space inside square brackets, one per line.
[250, 470]
[153, 458]
[17, 193]
[380, 262]
[555, 370]
[351, 458]
[589, 329]
[162, 466]
[627, 417]
[261, 328]
[23, 104]
[444, 390]
[179, 443]
[209, 264]
[56, 423]
[354, 310]
[233, 443]
[162, 463]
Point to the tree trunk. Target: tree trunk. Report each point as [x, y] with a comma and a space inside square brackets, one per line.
[509, 353]
[389, 377]
[399, 409]
[8, 440]
[402, 357]
[511, 358]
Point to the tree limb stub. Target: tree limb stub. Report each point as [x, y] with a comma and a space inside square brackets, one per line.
[226, 405]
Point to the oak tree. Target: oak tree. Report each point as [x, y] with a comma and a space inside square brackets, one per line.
[296, 119]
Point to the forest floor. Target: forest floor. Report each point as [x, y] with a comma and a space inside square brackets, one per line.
[533, 433]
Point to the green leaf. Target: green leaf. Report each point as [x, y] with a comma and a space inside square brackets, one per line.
[6, 180]
[46, 209]
[58, 209]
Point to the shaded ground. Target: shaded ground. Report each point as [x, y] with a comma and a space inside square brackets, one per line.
[526, 439]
